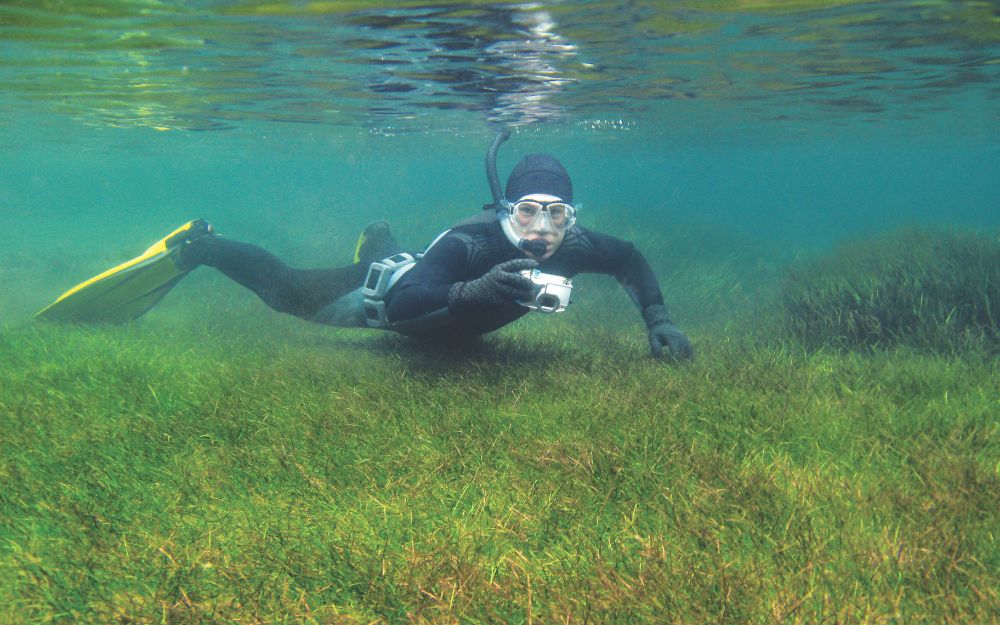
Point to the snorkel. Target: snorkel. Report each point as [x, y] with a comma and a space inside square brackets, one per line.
[536, 247]
[491, 170]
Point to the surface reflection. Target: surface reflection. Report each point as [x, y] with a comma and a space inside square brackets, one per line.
[451, 66]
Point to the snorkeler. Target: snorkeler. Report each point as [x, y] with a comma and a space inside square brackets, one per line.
[517, 256]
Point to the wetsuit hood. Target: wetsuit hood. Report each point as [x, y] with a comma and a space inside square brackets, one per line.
[539, 173]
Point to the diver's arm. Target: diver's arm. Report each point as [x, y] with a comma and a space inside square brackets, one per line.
[637, 278]
[449, 292]
[420, 300]
[622, 260]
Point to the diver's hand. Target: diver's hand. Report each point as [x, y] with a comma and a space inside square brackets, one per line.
[501, 285]
[662, 332]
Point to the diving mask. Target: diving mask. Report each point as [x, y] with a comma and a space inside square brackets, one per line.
[536, 222]
[537, 215]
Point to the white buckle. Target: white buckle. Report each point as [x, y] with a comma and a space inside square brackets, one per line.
[381, 277]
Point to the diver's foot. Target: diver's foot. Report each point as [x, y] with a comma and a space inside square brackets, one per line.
[199, 228]
[193, 242]
[375, 243]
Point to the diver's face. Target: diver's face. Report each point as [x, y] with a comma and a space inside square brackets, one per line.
[542, 217]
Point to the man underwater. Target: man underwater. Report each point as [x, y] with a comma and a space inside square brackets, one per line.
[480, 275]
[470, 280]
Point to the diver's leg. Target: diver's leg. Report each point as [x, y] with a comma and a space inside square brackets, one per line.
[375, 243]
[348, 310]
[299, 292]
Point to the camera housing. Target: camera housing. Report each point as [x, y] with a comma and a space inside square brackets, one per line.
[552, 293]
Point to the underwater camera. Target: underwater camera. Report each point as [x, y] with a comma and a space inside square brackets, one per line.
[552, 292]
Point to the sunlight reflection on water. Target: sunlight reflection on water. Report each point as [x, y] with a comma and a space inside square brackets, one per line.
[451, 66]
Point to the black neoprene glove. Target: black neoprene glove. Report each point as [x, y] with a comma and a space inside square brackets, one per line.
[662, 331]
[501, 285]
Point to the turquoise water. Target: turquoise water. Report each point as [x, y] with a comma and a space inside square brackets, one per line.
[760, 128]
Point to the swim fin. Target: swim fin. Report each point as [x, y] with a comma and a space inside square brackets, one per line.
[375, 243]
[127, 291]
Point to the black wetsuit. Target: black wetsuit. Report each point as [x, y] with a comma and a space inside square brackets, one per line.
[418, 304]
[299, 292]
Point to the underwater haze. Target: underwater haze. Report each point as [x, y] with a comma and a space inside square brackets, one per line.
[785, 125]
[816, 184]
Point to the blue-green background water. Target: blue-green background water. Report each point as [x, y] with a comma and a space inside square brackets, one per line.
[723, 137]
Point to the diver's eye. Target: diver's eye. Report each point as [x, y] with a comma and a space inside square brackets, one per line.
[557, 213]
[527, 209]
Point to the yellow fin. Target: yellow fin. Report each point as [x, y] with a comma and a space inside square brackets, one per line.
[125, 291]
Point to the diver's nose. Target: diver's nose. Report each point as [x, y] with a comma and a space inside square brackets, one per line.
[543, 223]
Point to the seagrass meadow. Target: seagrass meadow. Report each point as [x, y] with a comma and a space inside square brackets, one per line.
[218, 463]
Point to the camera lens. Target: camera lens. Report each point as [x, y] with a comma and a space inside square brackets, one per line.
[547, 302]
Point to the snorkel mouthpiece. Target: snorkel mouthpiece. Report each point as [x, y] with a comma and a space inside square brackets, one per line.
[536, 247]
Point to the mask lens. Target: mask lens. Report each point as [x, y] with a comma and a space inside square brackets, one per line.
[526, 211]
[557, 213]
